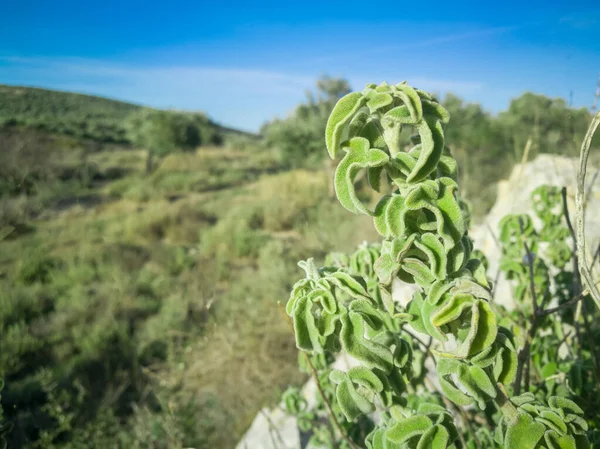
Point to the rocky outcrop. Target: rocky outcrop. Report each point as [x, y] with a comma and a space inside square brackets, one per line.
[514, 196]
[273, 429]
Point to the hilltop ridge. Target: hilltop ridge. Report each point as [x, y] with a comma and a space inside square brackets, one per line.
[80, 115]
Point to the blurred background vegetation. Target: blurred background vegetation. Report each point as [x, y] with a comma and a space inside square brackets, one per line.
[137, 277]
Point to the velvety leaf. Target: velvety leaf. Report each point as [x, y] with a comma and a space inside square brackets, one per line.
[349, 284]
[402, 353]
[419, 271]
[369, 313]
[552, 421]
[358, 156]
[434, 109]
[437, 437]
[486, 330]
[365, 377]
[386, 269]
[305, 329]
[432, 145]
[442, 202]
[484, 358]
[342, 113]
[434, 249]
[370, 353]
[524, 398]
[477, 383]
[412, 101]
[524, 434]
[427, 310]
[378, 100]
[561, 403]
[452, 309]
[414, 308]
[350, 401]
[556, 441]
[325, 298]
[375, 439]
[374, 177]
[446, 368]
[408, 428]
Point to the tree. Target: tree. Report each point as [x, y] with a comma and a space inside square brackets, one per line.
[553, 126]
[163, 132]
[299, 138]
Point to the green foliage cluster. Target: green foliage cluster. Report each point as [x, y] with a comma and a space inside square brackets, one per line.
[298, 138]
[65, 113]
[110, 309]
[163, 132]
[5, 428]
[109, 121]
[486, 146]
[478, 349]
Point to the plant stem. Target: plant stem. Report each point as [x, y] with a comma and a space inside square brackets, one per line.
[524, 354]
[579, 203]
[315, 376]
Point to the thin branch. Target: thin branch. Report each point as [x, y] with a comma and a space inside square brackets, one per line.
[426, 346]
[524, 354]
[591, 342]
[466, 423]
[569, 303]
[530, 258]
[590, 189]
[577, 289]
[564, 340]
[579, 203]
[596, 256]
[577, 286]
[576, 272]
[332, 416]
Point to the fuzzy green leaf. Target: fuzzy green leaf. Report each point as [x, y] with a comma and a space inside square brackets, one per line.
[342, 113]
[561, 403]
[305, 329]
[358, 156]
[372, 354]
[556, 441]
[349, 284]
[524, 434]
[407, 428]
[437, 437]
[352, 403]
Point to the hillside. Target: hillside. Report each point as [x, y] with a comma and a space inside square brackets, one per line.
[138, 307]
[74, 114]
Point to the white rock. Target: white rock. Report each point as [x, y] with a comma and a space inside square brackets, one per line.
[514, 196]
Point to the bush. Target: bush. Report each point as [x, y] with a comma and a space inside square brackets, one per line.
[299, 138]
[505, 366]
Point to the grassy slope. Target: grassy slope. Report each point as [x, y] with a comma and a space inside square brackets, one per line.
[71, 113]
[141, 311]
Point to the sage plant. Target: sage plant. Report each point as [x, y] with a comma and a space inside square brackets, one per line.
[349, 307]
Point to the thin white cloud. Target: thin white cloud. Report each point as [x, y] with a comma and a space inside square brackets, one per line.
[582, 21]
[239, 97]
[110, 70]
[412, 44]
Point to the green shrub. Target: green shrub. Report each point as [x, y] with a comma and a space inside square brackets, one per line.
[481, 353]
[298, 138]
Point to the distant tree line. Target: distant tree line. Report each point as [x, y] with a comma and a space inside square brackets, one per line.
[485, 145]
[105, 120]
[162, 132]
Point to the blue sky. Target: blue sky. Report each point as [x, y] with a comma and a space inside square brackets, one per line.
[247, 62]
